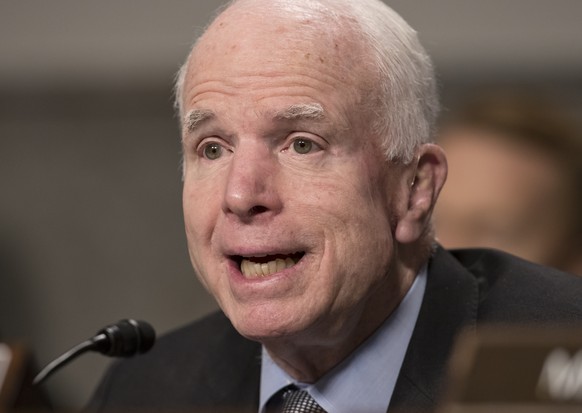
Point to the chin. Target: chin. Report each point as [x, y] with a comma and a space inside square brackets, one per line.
[266, 326]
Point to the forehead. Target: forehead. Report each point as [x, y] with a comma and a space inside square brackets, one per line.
[242, 46]
[308, 29]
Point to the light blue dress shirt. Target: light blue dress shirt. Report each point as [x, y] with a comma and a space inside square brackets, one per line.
[364, 382]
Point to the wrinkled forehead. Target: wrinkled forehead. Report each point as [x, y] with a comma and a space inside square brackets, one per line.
[279, 32]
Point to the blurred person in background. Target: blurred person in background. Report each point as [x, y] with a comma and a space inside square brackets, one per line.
[515, 179]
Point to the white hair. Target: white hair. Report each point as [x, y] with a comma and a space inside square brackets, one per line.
[407, 101]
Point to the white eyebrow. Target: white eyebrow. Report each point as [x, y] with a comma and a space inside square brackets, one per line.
[301, 111]
[196, 117]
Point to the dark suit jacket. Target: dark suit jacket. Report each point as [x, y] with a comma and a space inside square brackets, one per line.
[208, 366]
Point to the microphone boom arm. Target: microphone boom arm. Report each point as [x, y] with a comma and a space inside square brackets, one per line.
[64, 359]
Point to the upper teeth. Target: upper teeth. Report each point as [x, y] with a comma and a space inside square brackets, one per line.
[257, 269]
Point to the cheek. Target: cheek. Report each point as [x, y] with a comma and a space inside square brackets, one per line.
[354, 216]
[200, 215]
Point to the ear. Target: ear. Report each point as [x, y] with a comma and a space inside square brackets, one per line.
[430, 173]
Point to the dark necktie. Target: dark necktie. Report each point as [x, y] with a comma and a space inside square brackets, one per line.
[298, 401]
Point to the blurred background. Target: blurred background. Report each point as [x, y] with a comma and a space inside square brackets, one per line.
[90, 210]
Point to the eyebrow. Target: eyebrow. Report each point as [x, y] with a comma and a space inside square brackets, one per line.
[301, 111]
[196, 117]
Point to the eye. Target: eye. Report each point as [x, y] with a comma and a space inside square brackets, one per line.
[212, 151]
[303, 146]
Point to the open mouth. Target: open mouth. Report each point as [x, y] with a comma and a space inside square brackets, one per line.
[253, 267]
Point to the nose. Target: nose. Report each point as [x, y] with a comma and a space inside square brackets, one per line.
[251, 189]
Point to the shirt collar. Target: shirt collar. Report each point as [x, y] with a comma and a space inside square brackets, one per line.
[364, 381]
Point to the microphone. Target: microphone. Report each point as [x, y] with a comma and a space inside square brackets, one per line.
[125, 338]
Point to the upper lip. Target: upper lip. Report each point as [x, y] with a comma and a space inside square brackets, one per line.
[238, 254]
[248, 252]
[238, 257]
[267, 254]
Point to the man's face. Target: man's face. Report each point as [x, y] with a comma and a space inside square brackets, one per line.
[286, 197]
[502, 194]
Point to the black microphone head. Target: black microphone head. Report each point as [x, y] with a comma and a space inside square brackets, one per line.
[126, 338]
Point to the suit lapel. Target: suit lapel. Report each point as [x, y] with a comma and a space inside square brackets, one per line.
[450, 303]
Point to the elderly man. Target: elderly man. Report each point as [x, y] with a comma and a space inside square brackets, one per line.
[309, 181]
